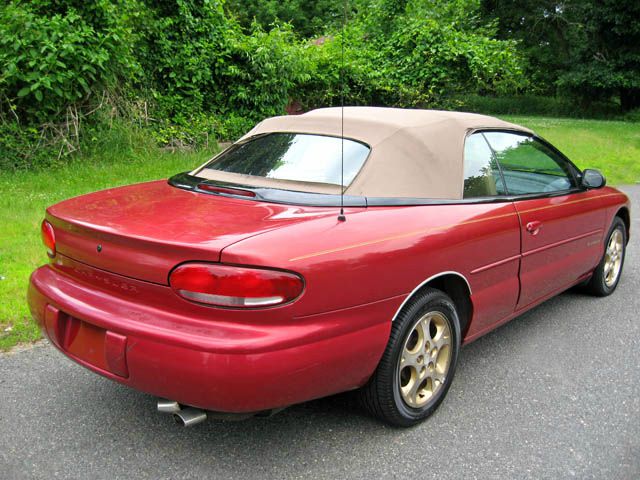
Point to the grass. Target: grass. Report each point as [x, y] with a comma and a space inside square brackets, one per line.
[24, 197]
[611, 146]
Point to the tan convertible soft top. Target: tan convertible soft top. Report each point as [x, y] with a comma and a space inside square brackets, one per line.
[414, 153]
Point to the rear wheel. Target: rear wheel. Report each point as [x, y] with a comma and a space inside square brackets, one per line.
[417, 367]
[607, 274]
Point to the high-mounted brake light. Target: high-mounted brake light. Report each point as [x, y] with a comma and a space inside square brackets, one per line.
[231, 286]
[226, 190]
[48, 238]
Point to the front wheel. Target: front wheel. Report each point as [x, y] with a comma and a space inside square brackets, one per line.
[417, 367]
[607, 274]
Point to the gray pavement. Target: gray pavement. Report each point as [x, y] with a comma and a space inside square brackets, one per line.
[553, 394]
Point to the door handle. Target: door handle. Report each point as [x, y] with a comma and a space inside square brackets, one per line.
[534, 227]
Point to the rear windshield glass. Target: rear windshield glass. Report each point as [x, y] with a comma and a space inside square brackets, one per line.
[294, 156]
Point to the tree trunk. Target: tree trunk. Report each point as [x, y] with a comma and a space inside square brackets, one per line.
[629, 98]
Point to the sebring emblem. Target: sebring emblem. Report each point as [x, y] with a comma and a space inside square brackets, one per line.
[99, 248]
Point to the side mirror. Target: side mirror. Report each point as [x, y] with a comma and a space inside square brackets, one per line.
[593, 179]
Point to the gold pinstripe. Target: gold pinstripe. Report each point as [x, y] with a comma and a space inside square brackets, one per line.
[441, 227]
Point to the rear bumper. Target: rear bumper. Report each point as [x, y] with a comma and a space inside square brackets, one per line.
[217, 365]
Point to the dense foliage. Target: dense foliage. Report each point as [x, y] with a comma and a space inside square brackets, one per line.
[53, 56]
[203, 75]
[186, 72]
[587, 48]
[181, 69]
[307, 18]
[396, 55]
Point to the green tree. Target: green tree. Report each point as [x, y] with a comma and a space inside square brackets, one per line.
[413, 53]
[605, 60]
[308, 19]
[544, 32]
[199, 64]
[588, 47]
[54, 54]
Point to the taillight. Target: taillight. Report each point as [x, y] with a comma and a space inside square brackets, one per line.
[231, 286]
[48, 238]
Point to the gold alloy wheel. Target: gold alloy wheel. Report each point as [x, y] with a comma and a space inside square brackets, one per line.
[425, 359]
[613, 258]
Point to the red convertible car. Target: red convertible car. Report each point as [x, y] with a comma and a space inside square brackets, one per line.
[237, 288]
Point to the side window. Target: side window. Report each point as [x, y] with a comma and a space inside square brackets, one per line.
[529, 166]
[481, 175]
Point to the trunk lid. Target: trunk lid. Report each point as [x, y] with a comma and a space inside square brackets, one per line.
[143, 231]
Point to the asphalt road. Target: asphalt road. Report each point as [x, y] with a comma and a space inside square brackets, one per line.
[553, 394]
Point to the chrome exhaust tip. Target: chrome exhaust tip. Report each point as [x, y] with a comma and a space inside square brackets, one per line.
[189, 416]
[168, 406]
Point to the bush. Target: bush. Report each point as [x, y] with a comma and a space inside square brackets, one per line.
[632, 115]
[412, 54]
[204, 74]
[49, 62]
[186, 71]
[264, 69]
[534, 105]
[60, 61]
[307, 18]
[20, 147]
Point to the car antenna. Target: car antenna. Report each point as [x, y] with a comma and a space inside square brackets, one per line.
[341, 216]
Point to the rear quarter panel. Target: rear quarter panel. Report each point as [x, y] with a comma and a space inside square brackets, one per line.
[382, 253]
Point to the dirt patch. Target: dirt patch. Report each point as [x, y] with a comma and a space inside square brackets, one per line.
[21, 347]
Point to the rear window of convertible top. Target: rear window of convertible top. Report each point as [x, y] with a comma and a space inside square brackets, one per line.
[294, 156]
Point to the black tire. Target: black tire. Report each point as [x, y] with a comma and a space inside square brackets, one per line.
[382, 396]
[597, 284]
